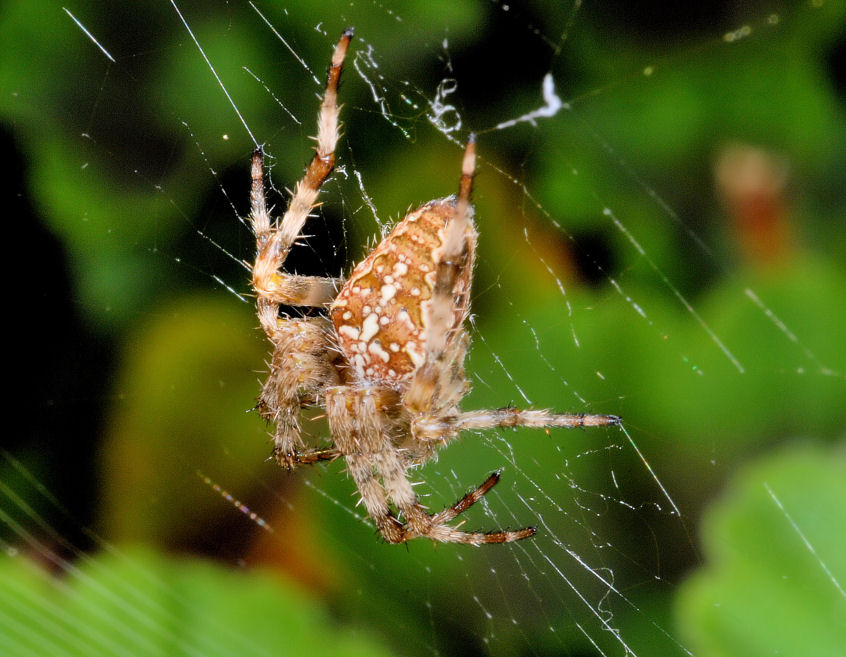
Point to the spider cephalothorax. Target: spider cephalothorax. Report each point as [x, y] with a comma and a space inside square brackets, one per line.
[388, 363]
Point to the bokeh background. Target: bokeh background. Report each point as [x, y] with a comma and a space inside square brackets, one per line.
[668, 247]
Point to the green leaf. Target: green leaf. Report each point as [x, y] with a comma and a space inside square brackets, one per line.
[141, 603]
[775, 572]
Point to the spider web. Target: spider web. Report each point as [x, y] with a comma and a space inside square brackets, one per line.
[658, 238]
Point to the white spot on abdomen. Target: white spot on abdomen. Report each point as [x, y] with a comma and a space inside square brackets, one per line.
[376, 349]
[369, 327]
[388, 292]
[349, 331]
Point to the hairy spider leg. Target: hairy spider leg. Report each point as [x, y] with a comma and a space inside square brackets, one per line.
[438, 382]
[478, 538]
[301, 363]
[300, 368]
[274, 241]
[432, 427]
[361, 420]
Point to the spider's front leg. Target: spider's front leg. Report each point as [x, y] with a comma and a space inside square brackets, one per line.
[274, 241]
[438, 382]
[273, 286]
[434, 427]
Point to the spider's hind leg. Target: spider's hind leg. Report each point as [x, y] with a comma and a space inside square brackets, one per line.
[440, 531]
[363, 421]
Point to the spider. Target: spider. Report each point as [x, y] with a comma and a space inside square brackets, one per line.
[385, 359]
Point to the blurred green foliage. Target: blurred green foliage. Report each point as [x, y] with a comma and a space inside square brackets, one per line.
[611, 279]
[141, 603]
[773, 546]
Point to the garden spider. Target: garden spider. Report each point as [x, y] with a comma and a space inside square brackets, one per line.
[387, 364]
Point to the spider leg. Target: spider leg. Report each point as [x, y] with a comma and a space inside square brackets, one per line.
[453, 258]
[468, 500]
[289, 460]
[439, 380]
[374, 498]
[362, 421]
[475, 538]
[420, 523]
[273, 242]
[299, 370]
[274, 286]
[434, 427]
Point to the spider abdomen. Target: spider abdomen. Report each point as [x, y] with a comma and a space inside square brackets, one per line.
[381, 314]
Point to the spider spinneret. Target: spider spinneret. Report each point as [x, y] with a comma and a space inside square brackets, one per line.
[387, 364]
